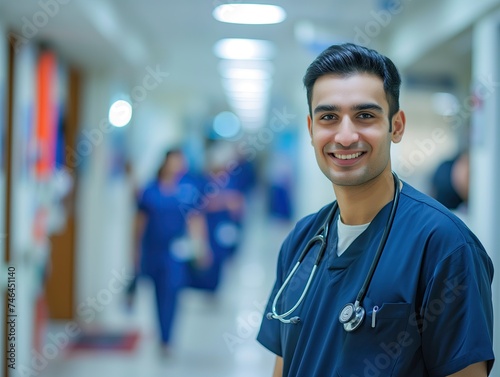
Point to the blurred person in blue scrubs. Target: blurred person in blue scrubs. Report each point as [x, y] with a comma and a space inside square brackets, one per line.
[224, 204]
[403, 287]
[171, 233]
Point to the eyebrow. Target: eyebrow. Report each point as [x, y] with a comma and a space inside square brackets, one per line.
[360, 107]
[326, 108]
[368, 106]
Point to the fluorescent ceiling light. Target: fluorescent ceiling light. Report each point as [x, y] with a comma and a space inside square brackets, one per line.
[246, 105]
[264, 65]
[245, 74]
[248, 96]
[246, 86]
[251, 113]
[234, 48]
[254, 14]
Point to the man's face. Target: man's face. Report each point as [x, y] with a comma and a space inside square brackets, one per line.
[350, 126]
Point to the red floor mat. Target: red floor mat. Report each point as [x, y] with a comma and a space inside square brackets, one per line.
[105, 341]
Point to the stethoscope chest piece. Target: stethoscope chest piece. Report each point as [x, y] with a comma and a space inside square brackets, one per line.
[352, 316]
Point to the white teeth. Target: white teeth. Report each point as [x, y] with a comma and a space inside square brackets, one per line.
[347, 156]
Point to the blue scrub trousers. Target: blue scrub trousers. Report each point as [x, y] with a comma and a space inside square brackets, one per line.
[168, 277]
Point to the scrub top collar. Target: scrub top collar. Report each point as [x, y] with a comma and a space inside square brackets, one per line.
[367, 240]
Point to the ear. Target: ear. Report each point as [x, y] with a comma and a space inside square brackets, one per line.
[398, 126]
[309, 126]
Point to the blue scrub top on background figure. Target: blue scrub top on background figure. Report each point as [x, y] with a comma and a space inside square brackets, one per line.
[224, 232]
[432, 287]
[166, 211]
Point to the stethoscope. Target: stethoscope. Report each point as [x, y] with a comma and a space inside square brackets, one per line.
[352, 315]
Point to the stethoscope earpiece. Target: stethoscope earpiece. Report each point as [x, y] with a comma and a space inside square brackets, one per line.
[293, 320]
[352, 316]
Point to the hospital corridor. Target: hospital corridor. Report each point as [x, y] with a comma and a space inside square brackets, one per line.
[214, 335]
[160, 160]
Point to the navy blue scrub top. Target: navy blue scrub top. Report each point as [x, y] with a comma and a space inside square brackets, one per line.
[167, 211]
[432, 287]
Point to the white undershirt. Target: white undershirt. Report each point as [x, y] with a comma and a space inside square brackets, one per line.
[347, 234]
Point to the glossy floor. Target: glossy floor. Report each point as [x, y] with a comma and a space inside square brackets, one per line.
[214, 336]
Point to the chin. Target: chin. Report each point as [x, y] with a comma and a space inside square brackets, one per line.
[350, 178]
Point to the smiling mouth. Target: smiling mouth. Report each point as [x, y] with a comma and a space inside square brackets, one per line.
[347, 156]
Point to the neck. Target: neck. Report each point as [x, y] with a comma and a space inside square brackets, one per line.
[168, 178]
[360, 204]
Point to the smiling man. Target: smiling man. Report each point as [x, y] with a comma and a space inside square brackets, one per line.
[384, 281]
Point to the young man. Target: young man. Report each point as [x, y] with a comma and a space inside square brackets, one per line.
[404, 287]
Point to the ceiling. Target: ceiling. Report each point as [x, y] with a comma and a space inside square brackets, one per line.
[128, 37]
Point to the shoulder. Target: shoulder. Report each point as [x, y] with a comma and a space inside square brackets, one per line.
[427, 213]
[431, 224]
[147, 191]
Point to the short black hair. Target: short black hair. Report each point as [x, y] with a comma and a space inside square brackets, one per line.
[347, 59]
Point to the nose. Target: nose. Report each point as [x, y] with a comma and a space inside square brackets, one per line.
[347, 134]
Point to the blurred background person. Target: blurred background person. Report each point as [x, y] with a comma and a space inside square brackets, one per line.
[170, 233]
[450, 183]
[223, 202]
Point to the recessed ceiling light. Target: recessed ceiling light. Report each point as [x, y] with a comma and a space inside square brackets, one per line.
[254, 14]
[234, 48]
[226, 124]
[120, 113]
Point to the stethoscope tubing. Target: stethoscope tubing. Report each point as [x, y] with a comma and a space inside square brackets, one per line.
[364, 288]
[321, 236]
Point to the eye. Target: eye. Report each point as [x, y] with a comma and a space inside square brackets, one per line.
[365, 116]
[327, 117]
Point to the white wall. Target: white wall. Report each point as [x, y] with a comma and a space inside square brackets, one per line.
[105, 201]
[485, 171]
[91, 259]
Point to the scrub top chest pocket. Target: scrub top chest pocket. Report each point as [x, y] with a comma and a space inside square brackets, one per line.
[375, 347]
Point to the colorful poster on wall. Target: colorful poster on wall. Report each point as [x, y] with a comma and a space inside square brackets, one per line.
[46, 116]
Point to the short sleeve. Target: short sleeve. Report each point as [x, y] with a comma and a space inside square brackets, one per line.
[457, 313]
[270, 334]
